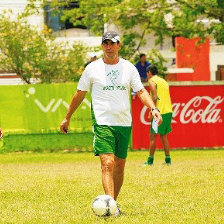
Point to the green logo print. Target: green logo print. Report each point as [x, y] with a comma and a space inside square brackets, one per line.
[113, 75]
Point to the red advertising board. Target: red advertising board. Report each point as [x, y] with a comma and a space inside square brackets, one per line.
[198, 118]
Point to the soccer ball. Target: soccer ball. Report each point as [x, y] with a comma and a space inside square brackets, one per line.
[104, 205]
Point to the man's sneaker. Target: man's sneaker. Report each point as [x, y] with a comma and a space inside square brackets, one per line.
[149, 162]
[168, 160]
[117, 212]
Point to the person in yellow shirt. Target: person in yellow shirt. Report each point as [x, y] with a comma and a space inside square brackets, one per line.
[159, 90]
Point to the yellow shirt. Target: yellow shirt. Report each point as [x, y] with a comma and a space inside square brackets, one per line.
[163, 102]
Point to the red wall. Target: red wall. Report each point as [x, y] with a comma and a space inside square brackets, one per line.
[192, 54]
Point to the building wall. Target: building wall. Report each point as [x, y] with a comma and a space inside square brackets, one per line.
[17, 6]
[216, 58]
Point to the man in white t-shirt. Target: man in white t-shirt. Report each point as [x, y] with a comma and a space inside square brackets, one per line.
[110, 79]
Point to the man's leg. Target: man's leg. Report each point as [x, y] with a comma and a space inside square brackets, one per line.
[152, 148]
[166, 147]
[118, 175]
[107, 166]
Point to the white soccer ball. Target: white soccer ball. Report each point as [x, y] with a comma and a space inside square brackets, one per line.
[104, 205]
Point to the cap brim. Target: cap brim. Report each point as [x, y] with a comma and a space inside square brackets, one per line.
[113, 40]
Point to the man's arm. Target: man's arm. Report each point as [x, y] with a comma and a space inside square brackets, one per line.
[147, 101]
[76, 101]
[152, 88]
[153, 91]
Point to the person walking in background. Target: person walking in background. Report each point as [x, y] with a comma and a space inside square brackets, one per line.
[92, 58]
[159, 90]
[141, 67]
[110, 80]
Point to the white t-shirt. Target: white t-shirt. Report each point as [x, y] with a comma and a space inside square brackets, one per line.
[110, 86]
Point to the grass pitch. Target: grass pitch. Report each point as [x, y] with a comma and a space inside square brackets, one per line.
[59, 188]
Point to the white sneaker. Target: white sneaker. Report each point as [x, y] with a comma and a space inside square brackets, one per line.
[117, 212]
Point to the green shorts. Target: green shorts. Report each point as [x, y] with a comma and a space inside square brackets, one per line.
[111, 139]
[165, 127]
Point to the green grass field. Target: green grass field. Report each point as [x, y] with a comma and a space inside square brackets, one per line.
[46, 142]
[59, 188]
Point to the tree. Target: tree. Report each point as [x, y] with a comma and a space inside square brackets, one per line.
[161, 17]
[33, 54]
[137, 18]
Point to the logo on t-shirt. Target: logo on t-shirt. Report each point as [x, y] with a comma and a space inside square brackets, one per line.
[113, 75]
[113, 83]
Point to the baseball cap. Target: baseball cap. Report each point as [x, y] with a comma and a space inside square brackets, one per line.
[111, 35]
[92, 55]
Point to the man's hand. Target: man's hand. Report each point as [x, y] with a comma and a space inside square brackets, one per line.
[64, 126]
[76, 101]
[1, 134]
[157, 116]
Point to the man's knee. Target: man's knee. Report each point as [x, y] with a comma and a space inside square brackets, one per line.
[119, 164]
[107, 163]
[163, 137]
[152, 136]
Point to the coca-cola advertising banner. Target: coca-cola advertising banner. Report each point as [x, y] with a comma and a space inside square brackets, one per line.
[198, 118]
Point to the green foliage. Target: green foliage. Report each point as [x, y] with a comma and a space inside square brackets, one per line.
[129, 42]
[151, 16]
[219, 32]
[136, 19]
[161, 18]
[35, 54]
[157, 59]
